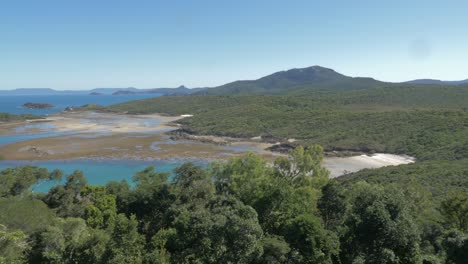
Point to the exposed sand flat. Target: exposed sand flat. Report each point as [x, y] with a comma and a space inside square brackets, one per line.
[339, 166]
[108, 135]
[121, 146]
[90, 122]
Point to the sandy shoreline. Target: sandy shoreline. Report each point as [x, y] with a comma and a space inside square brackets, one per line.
[91, 135]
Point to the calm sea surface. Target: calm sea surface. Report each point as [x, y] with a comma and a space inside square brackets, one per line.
[12, 103]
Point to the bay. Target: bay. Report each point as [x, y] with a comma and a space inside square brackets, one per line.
[13, 103]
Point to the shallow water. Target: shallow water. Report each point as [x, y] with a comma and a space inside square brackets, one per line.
[7, 139]
[42, 126]
[100, 172]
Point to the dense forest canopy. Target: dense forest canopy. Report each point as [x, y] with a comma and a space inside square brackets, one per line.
[428, 122]
[240, 211]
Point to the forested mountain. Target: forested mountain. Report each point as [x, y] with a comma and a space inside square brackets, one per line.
[312, 78]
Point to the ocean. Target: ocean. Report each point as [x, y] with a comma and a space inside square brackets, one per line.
[12, 103]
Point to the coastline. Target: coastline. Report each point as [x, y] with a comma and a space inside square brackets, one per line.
[110, 135]
[98, 136]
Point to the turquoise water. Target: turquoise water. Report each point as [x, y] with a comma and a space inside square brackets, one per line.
[7, 139]
[12, 103]
[100, 172]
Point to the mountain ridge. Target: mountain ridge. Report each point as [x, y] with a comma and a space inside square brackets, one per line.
[314, 77]
[435, 81]
[294, 81]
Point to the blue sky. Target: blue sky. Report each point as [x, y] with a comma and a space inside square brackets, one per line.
[86, 44]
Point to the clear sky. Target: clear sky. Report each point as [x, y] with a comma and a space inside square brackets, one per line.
[83, 44]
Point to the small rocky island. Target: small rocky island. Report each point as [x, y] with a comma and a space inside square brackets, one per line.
[95, 93]
[30, 105]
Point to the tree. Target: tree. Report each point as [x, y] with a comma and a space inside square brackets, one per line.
[15, 181]
[456, 246]
[310, 242]
[13, 245]
[121, 191]
[332, 205]
[150, 201]
[222, 230]
[275, 250]
[67, 198]
[126, 244]
[245, 177]
[193, 183]
[379, 228]
[302, 162]
[102, 210]
[61, 242]
[275, 196]
[158, 254]
[455, 210]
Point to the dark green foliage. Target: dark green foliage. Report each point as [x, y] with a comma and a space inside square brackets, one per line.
[15, 181]
[311, 243]
[102, 208]
[242, 211]
[66, 199]
[332, 205]
[275, 250]
[150, 200]
[456, 244]
[59, 242]
[222, 230]
[126, 244]
[435, 177]
[455, 210]
[380, 228]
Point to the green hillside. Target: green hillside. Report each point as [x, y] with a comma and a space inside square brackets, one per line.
[430, 122]
[435, 177]
[314, 78]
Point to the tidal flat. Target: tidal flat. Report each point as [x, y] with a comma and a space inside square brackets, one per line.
[115, 136]
[92, 135]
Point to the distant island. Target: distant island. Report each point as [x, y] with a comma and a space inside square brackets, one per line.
[179, 91]
[124, 92]
[37, 105]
